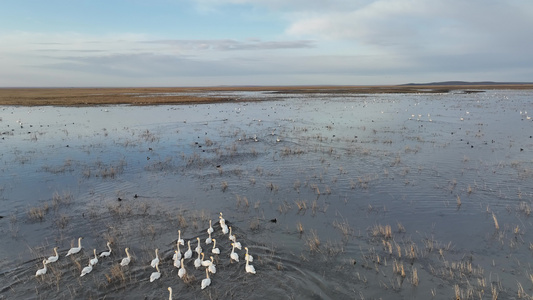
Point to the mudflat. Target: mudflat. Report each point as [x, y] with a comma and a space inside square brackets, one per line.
[189, 95]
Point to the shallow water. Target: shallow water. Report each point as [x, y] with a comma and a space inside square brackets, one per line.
[360, 187]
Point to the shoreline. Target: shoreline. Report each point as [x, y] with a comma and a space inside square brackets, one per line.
[186, 95]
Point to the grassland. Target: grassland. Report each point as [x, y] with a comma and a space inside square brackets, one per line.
[195, 95]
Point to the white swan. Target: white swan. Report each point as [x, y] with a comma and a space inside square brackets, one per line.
[182, 271]
[215, 250]
[221, 220]
[212, 268]
[41, 271]
[86, 270]
[206, 281]
[249, 268]
[231, 236]
[188, 253]
[75, 250]
[225, 228]
[106, 253]
[169, 293]
[177, 263]
[177, 253]
[198, 249]
[155, 275]
[94, 260]
[210, 229]
[208, 240]
[180, 240]
[233, 255]
[205, 263]
[155, 261]
[126, 260]
[247, 256]
[197, 262]
[52, 259]
[238, 245]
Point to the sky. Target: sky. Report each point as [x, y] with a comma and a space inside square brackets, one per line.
[131, 43]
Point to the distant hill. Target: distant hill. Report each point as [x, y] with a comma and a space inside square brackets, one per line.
[464, 83]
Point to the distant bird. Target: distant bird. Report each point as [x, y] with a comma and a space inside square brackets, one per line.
[180, 240]
[247, 256]
[155, 261]
[169, 293]
[206, 281]
[41, 271]
[75, 250]
[208, 240]
[94, 260]
[106, 253]
[238, 245]
[215, 250]
[221, 221]
[177, 254]
[233, 255]
[52, 259]
[86, 270]
[126, 260]
[182, 271]
[197, 262]
[155, 275]
[225, 228]
[188, 253]
[231, 236]
[212, 268]
[198, 249]
[210, 229]
[205, 263]
[249, 268]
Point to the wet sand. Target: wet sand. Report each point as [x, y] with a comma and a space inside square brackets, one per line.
[190, 95]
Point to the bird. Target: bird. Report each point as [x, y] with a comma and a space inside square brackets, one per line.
[86, 270]
[210, 229]
[206, 281]
[41, 271]
[247, 256]
[182, 271]
[177, 263]
[126, 260]
[169, 293]
[231, 236]
[225, 228]
[233, 255]
[208, 240]
[212, 268]
[52, 259]
[155, 275]
[188, 253]
[94, 260]
[180, 240]
[215, 250]
[155, 261]
[106, 253]
[177, 255]
[249, 268]
[205, 263]
[198, 249]
[75, 250]
[197, 262]
[238, 245]
[221, 220]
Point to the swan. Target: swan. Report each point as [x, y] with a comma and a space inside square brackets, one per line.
[106, 253]
[126, 260]
[169, 293]
[86, 270]
[215, 250]
[197, 262]
[188, 253]
[249, 268]
[182, 271]
[94, 260]
[231, 236]
[221, 221]
[177, 263]
[75, 250]
[238, 245]
[155, 261]
[206, 281]
[205, 263]
[233, 255]
[247, 256]
[177, 255]
[41, 271]
[208, 240]
[180, 240]
[224, 228]
[155, 275]
[52, 259]
[210, 229]
[198, 249]
[212, 268]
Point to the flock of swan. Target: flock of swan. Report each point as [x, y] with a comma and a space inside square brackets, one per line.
[178, 257]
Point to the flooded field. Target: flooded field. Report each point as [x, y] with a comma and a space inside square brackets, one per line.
[391, 196]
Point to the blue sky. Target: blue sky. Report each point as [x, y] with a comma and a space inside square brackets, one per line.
[79, 43]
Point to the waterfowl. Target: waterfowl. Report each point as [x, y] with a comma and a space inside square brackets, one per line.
[86, 270]
[169, 293]
[177, 255]
[210, 229]
[205, 263]
[208, 240]
[106, 253]
[238, 245]
[180, 240]
[52, 259]
[94, 260]
[182, 271]
[215, 250]
[177, 263]
[155, 275]
[41, 271]
[247, 256]
[197, 262]
[206, 281]
[221, 220]
[198, 249]
[233, 255]
[212, 268]
[75, 250]
[231, 236]
[188, 253]
[155, 261]
[249, 268]
[126, 260]
[225, 228]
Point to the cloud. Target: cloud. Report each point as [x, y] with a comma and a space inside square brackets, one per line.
[229, 44]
